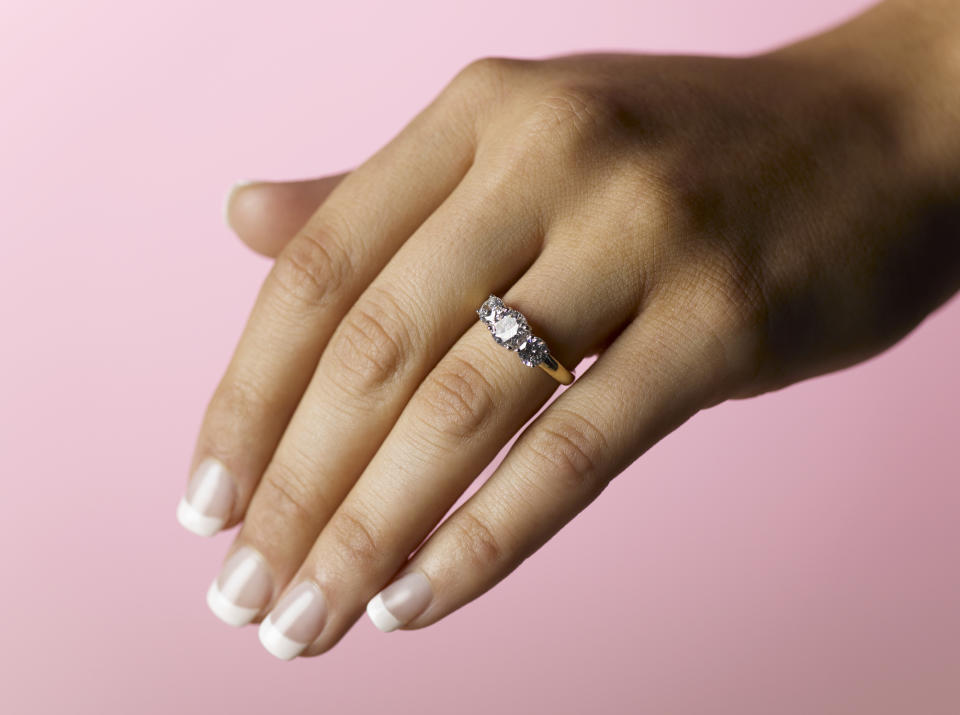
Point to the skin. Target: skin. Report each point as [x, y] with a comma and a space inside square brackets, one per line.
[713, 228]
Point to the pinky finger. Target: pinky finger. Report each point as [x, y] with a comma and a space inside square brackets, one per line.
[659, 372]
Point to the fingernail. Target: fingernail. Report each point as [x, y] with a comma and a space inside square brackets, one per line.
[242, 589]
[400, 602]
[229, 197]
[295, 622]
[208, 503]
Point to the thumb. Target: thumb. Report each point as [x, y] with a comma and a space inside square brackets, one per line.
[266, 214]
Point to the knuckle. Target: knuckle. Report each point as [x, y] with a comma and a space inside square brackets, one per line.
[371, 343]
[483, 74]
[476, 541]
[568, 449]
[572, 114]
[357, 538]
[711, 270]
[737, 289]
[313, 266]
[723, 319]
[483, 85]
[734, 309]
[456, 399]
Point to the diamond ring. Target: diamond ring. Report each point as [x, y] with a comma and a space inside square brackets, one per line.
[510, 329]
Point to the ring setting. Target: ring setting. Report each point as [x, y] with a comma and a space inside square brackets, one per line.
[509, 328]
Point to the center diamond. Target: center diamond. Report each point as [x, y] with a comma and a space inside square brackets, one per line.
[506, 328]
[510, 329]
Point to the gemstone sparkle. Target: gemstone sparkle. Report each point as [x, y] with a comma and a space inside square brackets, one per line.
[510, 329]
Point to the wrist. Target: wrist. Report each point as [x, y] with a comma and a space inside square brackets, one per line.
[905, 56]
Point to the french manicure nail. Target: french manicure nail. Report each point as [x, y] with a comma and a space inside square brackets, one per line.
[242, 589]
[229, 197]
[295, 622]
[208, 503]
[400, 602]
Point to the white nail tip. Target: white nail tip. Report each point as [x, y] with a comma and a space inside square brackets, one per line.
[381, 617]
[200, 524]
[233, 189]
[278, 644]
[226, 610]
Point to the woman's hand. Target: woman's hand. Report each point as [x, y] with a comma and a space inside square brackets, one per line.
[713, 228]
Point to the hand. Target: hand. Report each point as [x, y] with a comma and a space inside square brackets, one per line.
[712, 228]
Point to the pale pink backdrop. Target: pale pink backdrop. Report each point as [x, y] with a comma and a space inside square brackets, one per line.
[795, 553]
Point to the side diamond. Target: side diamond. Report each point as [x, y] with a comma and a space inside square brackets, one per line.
[491, 310]
[533, 351]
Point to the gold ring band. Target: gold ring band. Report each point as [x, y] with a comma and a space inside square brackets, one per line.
[557, 371]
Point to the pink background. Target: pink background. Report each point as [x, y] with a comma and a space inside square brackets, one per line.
[794, 553]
